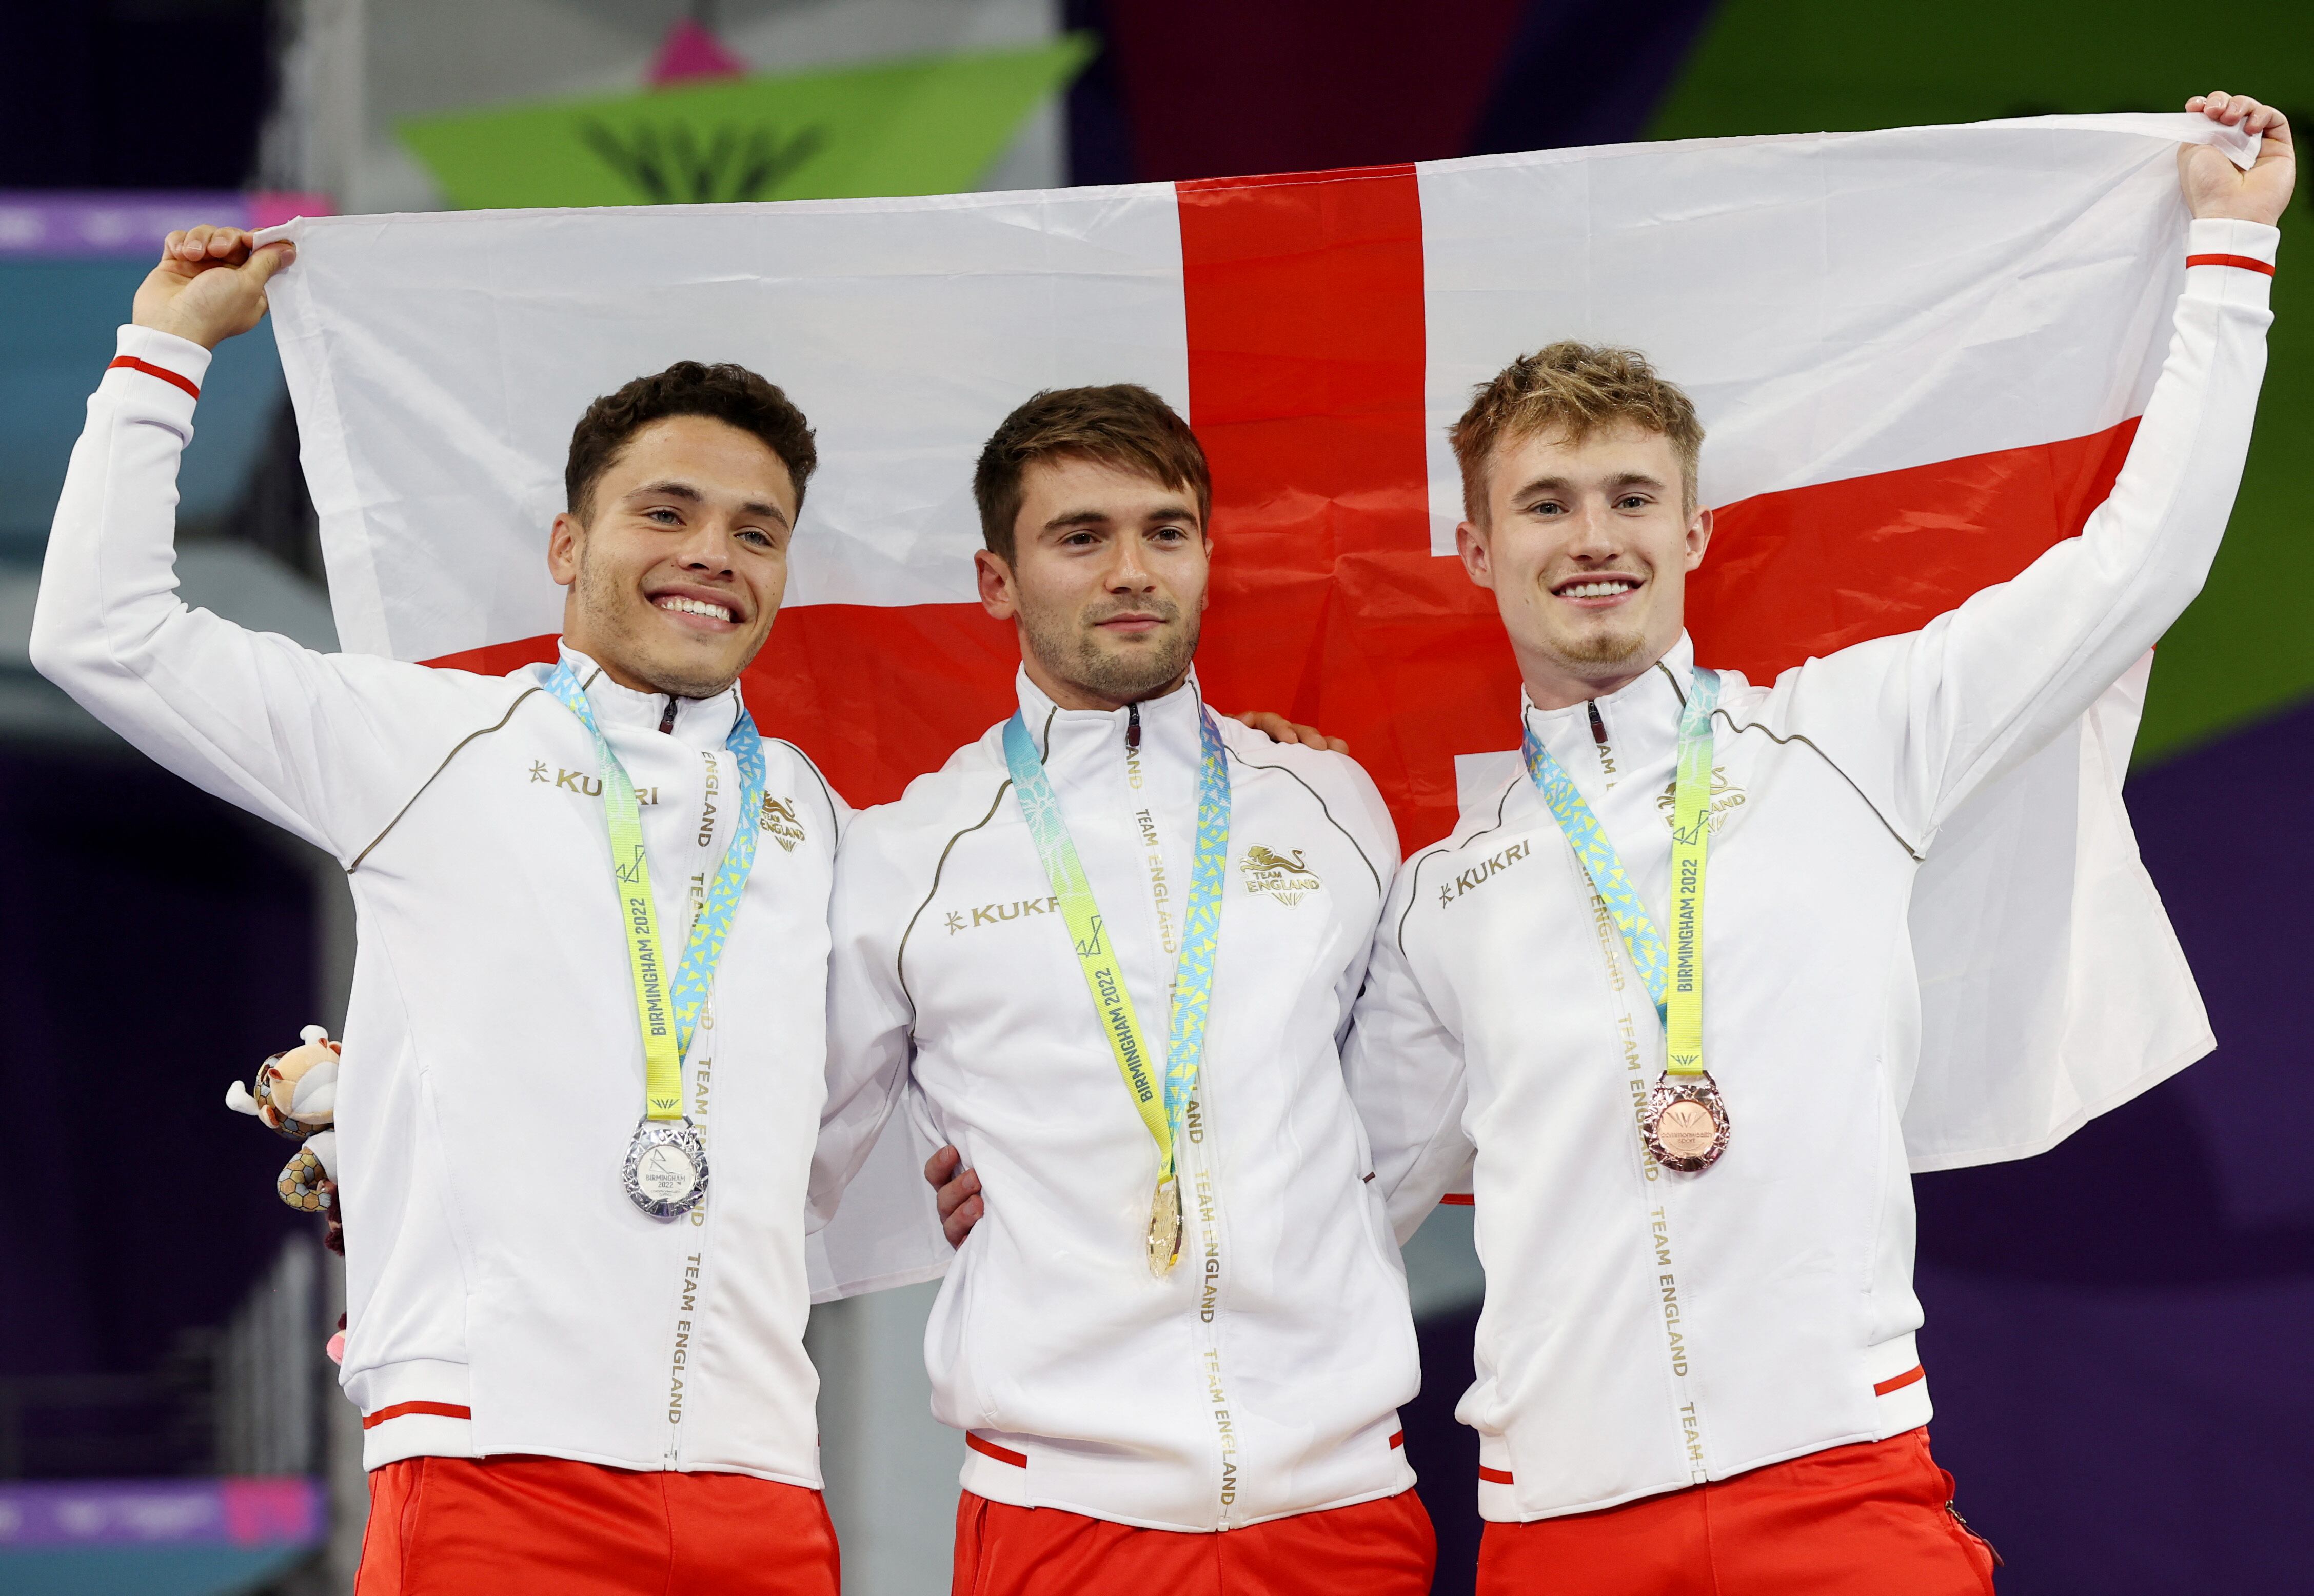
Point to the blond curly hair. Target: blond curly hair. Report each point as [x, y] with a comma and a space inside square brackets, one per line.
[1575, 390]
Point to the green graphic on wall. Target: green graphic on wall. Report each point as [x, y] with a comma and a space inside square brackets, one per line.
[926, 125]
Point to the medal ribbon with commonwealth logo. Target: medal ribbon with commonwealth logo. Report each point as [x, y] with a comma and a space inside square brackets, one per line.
[667, 1010]
[1673, 976]
[1160, 1098]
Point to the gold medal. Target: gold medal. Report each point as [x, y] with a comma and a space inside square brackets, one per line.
[1687, 1124]
[1165, 1228]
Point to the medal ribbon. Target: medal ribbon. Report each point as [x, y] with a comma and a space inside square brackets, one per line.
[668, 1010]
[1162, 1100]
[1674, 977]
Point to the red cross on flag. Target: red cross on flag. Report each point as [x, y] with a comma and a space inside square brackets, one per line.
[1918, 354]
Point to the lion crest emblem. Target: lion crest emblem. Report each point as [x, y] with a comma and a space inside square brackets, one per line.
[779, 818]
[1725, 800]
[1286, 877]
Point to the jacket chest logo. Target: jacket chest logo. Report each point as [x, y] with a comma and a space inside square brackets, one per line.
[580, 782]
[996, 914]
[1285, 878]
[1481, 871]
[779, 818]
[1726, 798]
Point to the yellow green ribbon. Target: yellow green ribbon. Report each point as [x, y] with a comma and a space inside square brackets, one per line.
[1674, 978]
[668, 1006]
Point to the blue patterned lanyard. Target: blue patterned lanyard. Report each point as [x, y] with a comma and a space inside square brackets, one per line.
[1604, 866]
[1163, 1106]
[666, 1029]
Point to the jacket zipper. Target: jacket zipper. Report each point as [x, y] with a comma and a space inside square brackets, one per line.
[1598, 737]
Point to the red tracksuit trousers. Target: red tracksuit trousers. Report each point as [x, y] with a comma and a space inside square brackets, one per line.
[1383, 1548]
[510, 1526]
[1870, 1520]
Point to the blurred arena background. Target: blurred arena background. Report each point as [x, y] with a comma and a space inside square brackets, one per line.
[2113, 1327]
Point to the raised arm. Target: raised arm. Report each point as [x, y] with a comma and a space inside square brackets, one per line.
[1985, 686]
[314, 743]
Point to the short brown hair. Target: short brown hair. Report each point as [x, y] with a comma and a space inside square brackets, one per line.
[724, 392]
[1123, 425]
[1576, 389]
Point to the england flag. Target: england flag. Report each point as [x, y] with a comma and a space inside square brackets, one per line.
[1919, 355]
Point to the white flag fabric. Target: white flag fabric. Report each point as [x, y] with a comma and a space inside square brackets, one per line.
[1918, 354]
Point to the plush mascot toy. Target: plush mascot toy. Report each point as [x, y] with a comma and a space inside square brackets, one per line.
[296, 1095]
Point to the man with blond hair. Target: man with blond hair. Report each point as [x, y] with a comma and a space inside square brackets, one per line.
[1696, 1368]
[1108, 950]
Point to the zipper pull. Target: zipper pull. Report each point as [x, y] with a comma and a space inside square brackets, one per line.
[1132, 726]
[666, 721]
[1598, 726]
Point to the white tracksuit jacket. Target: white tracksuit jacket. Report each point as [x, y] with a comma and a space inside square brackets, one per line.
[504, 1294]
[1263, 1376]
[1644, 1329]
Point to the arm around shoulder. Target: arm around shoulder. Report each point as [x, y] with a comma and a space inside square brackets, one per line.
[1404, 1068]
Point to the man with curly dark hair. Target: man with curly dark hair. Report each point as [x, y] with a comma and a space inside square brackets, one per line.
[573, 1369]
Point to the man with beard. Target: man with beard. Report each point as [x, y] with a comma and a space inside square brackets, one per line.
[1696, 1363]
[1108, 952]
[578, 1369]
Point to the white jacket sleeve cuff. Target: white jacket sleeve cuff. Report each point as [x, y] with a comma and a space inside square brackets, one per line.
[2231, 243]
[148, 363]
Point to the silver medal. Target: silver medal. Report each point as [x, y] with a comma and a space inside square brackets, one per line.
[666, 1172]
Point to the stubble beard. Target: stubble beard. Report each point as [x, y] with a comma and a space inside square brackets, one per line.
[606, 600]
[1071, 651]
[1598, 651]
[1604, 647]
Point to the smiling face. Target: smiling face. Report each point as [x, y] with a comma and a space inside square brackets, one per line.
[1106, 585]
[1586, 544]
[678, 560]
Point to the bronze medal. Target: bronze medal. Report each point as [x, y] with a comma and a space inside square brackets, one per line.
[1165, 1228]
[1687, 1123]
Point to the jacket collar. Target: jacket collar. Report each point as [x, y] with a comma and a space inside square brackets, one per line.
[1644, 710]
[624, 713]
[1069, 737]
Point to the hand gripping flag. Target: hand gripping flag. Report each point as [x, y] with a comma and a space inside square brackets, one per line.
[1919, 354]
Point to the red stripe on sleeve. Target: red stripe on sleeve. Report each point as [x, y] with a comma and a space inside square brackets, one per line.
[989, 1449]
[1458, 1200]
[130, 363]
[2246, 262]
[1911, 1376]
[403, 1410]
[1397, 1440]
[1494, 1477]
